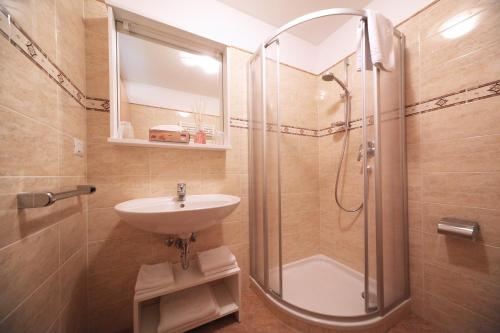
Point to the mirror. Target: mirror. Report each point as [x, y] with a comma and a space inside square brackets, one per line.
[168, 92]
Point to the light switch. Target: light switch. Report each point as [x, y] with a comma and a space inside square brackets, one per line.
[79, 149]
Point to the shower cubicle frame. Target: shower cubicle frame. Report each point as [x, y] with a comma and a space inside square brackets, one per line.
[380, 309]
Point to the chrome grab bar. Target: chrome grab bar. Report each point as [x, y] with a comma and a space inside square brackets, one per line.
[44, 199]
[457, 227]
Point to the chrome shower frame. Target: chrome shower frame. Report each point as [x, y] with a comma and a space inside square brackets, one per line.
[380, 308]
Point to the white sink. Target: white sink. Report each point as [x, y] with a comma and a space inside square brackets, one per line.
[167, 215]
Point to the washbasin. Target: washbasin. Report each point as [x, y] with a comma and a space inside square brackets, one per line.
[168, 215]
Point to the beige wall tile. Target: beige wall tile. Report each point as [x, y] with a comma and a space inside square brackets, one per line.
[72, 117]
[94, 9]
[412, 74]
[111, 160]
[70, 164]
[37, 312]
[222, 183]
[102, 255]
[472, 154]
[413, 158]
[104, 224]
[19, 224]
[167, 185]
[468, 189]
[70, 50]
[97, 126]
[33, 144]
[414, 215]
[453, 317]
[73, 279]
[73, 316]
[96, 48]
[115, 189]
[20, 86]
[473, 294]
[115, 317]
[300, 245]
[37, 18]
[411, 29]
[472, 119]
[433, 19]
[39, 122]
[455, 61]
[25, 265]
[413, 129]
[463, 256]
[72, 234]
[416, 275]
[175, 162]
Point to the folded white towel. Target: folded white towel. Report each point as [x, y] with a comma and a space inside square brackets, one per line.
[217, 258]
[380, 48]
[185, 307]
[153, 277]
[219, 270]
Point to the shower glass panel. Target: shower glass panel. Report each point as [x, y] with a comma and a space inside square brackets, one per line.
[307, 253]
[272, 160]
[393, 174]
[265, 205]
[367, 106]
[258, 234]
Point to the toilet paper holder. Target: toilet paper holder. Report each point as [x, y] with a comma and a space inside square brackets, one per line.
[457, 227]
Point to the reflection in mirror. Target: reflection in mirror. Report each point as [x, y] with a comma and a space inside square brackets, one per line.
[168, 93]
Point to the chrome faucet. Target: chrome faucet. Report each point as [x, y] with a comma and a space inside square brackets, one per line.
[370, 151]
[181, 191]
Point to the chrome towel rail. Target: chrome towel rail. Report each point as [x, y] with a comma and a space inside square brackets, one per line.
[44, 199]
[457, 227]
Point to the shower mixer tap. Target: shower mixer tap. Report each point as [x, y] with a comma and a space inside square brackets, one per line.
[370, 150]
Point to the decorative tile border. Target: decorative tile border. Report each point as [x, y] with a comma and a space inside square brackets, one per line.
[483, 91]
[21, 40]
[238, 122]
[97, 104]
[486, 90]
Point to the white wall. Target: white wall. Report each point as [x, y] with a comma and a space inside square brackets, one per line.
[343, 41]
[219, 22]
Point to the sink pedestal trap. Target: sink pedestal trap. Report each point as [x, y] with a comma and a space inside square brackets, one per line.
[182, 244]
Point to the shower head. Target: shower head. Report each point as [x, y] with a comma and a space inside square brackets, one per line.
[328, 76]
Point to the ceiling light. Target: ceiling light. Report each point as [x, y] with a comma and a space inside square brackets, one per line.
[183, 114]
[458, 25]
[208, 64]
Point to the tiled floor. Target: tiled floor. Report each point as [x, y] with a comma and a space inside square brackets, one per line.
[257, 318]
[414, 324]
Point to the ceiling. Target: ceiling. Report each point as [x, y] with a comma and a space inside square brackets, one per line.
[279, 12]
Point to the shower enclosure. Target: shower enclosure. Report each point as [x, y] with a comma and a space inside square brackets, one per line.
[308, 256]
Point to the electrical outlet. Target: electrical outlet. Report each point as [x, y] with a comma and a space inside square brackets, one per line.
[79, 147]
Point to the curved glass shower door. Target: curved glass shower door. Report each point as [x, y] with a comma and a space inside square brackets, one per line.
[307, 253]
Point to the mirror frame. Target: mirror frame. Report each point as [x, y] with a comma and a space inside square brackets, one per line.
[151, 29]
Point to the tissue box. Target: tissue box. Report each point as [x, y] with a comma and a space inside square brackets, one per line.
[168, 136]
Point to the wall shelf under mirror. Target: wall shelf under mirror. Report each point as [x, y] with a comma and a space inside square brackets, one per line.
[168, 87]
